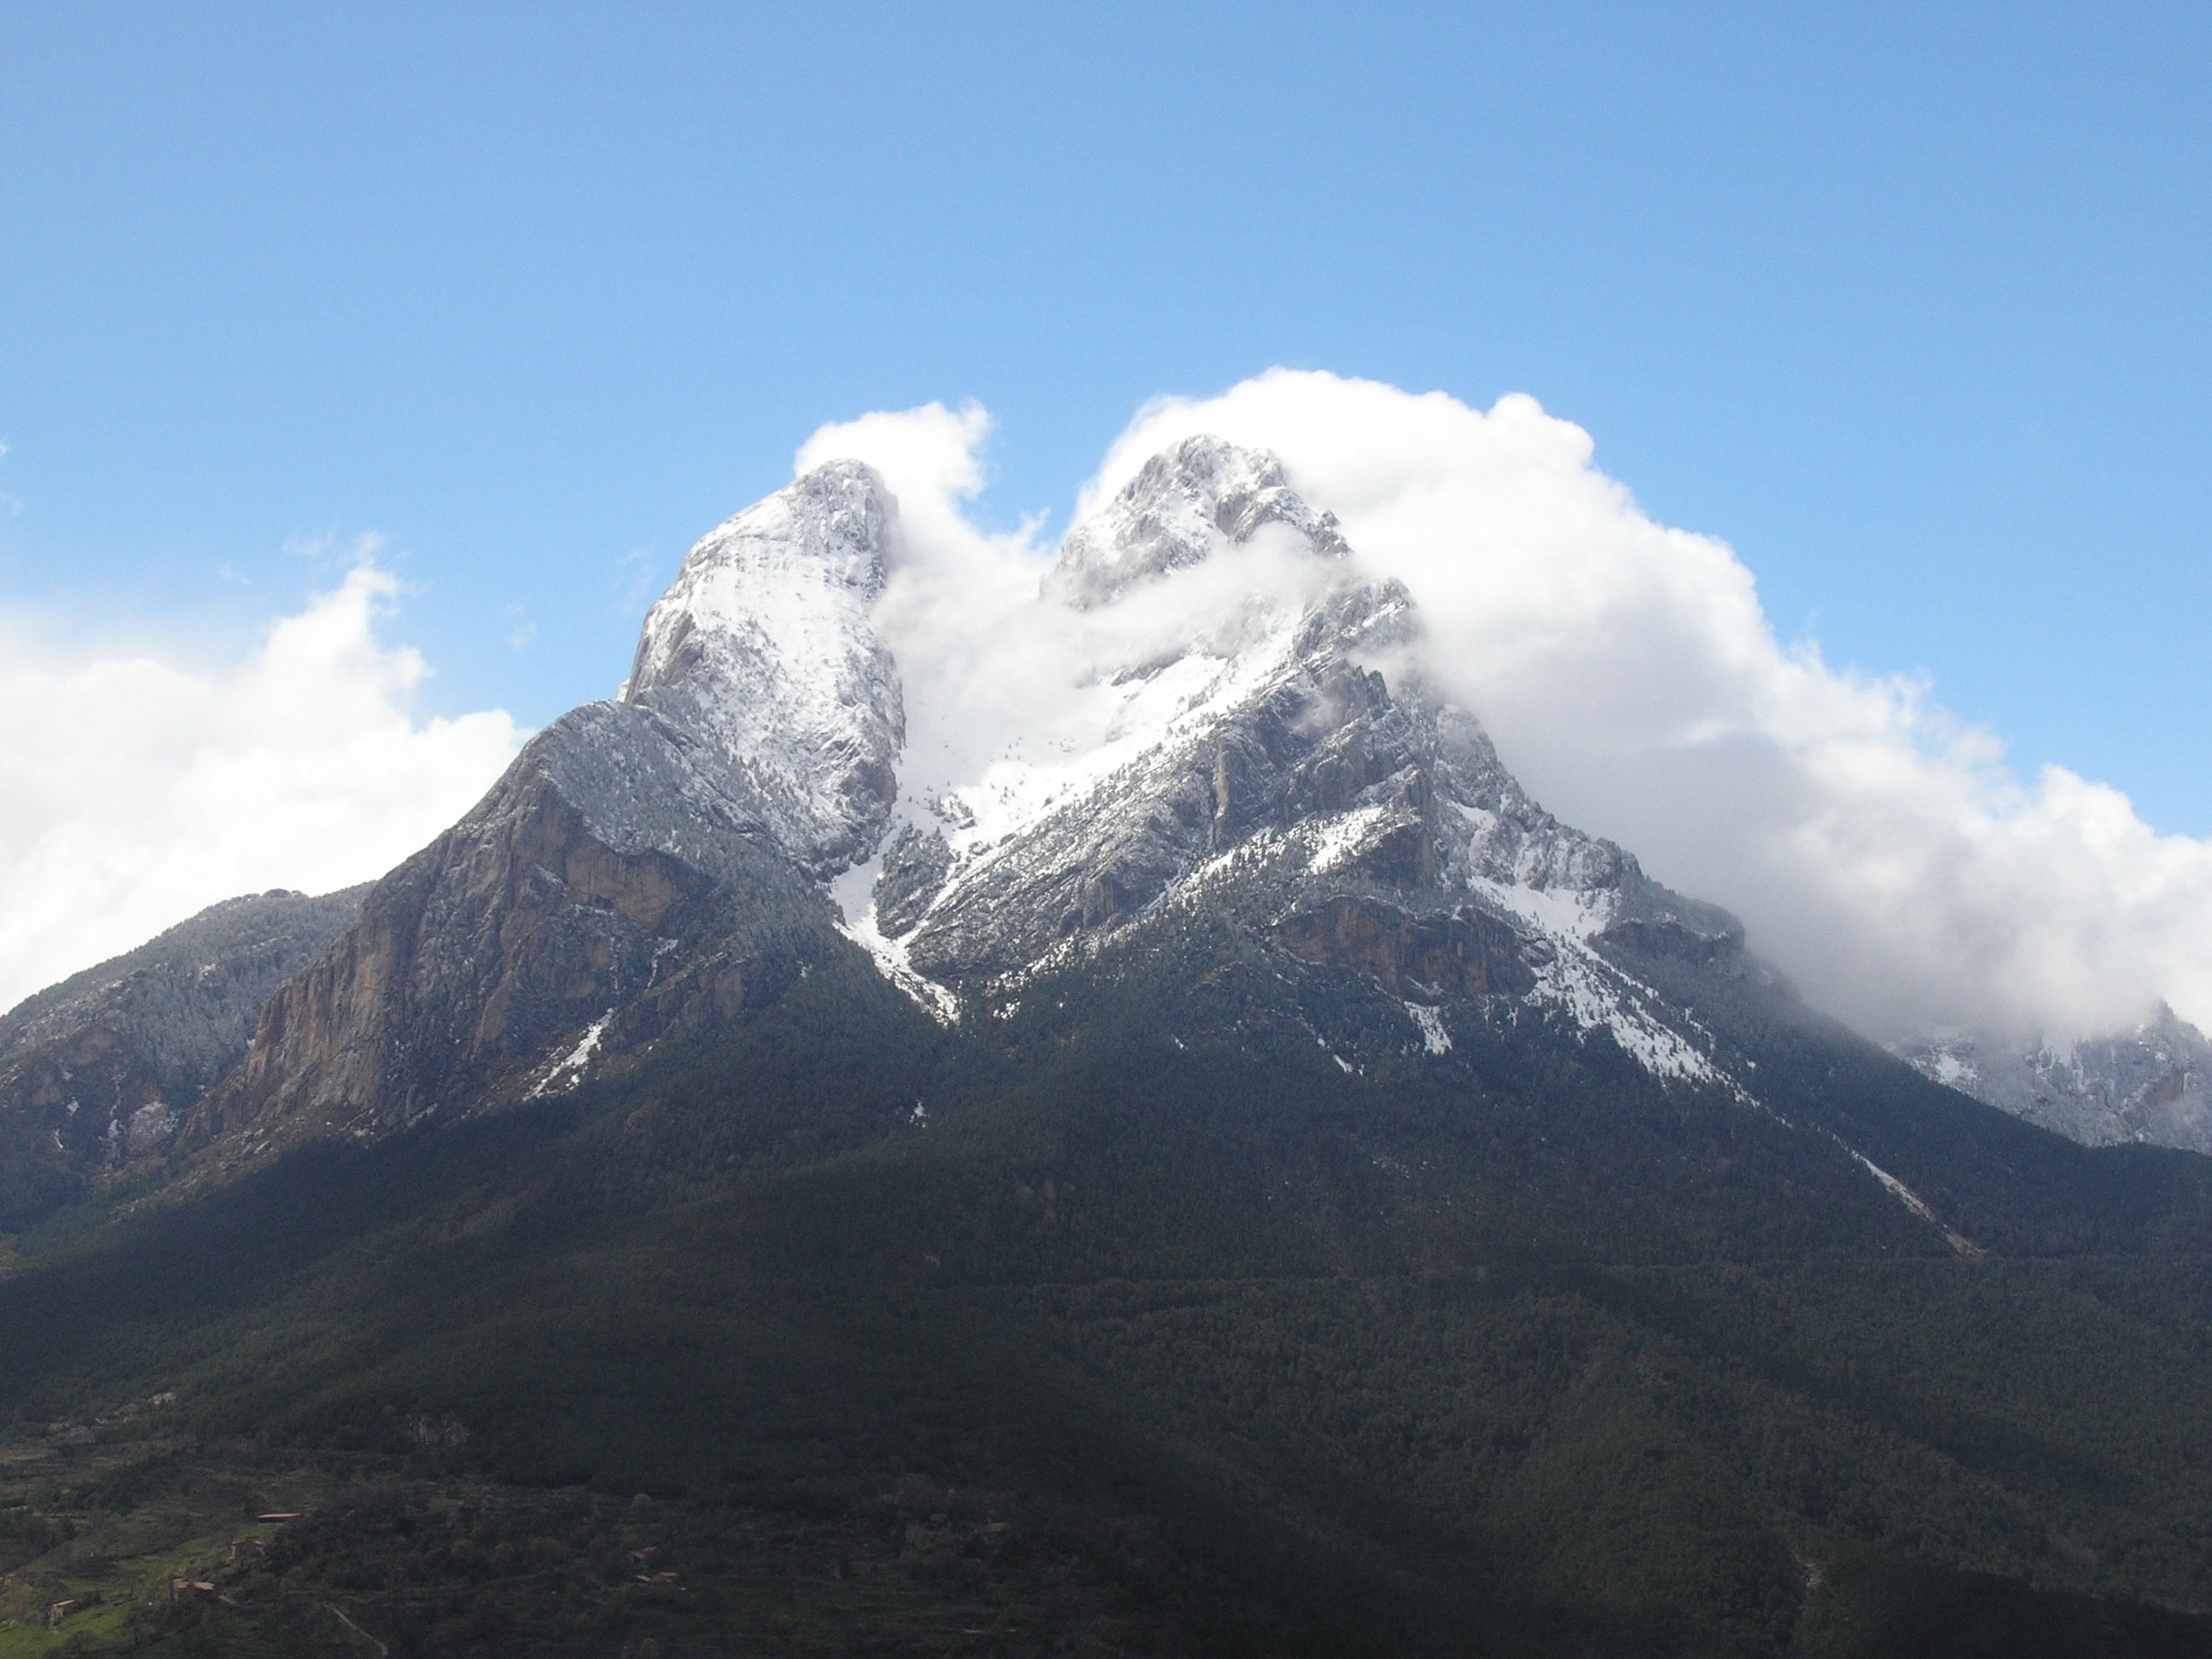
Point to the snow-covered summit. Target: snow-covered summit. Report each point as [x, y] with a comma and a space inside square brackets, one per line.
[761, 653]
[1184, 504]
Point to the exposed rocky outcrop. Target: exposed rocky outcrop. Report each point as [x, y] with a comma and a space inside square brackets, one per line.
[1427, 958]
[915, 867]
[1184, 504]
[601, 895]
[763, 654]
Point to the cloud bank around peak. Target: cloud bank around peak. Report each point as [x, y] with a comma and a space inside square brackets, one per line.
[1005, 686]
[134, 792]
[1879, 851]
[959, 611]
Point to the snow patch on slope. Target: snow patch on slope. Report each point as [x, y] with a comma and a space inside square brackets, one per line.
[568, 1072]
[856, 921]
[1430, 1024]
[1912, 1201]
[1599, 997]
[1122, 716]
[1154, 675]
[890, 959]
[1336, 841]
[1571, 914]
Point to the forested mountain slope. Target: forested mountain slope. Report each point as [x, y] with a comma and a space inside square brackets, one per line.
[1494, 1351]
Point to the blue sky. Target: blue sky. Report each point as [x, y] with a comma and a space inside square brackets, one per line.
[1905, 303]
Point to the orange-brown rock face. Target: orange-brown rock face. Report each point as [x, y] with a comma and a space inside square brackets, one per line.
[645, 866]
[544, 932]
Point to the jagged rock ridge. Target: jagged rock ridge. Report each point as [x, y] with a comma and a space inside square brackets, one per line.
[1183, 505]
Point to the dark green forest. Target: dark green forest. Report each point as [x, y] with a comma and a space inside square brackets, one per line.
[1133, 1323]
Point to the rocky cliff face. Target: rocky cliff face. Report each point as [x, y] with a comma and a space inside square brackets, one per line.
[1183, 506]
[564, 913]
[96, 1073]
[761, 654]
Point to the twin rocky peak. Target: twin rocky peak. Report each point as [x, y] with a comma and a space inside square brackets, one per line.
[653, 866]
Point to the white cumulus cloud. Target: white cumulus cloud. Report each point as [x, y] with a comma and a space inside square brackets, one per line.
[134, 792]
[980, 659]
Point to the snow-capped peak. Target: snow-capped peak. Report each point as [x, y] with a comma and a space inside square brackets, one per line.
[1184, 504]
[761, 653]
[1223, 740]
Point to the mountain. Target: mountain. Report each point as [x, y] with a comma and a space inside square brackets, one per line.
[1216, 1170]
[645, 866]
[644, 861]
[2153, 1083]
[648, 866]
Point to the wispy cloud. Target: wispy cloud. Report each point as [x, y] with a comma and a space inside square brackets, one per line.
[330, 546]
